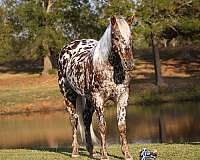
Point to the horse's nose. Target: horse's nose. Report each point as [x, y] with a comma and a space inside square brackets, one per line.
[129, 65]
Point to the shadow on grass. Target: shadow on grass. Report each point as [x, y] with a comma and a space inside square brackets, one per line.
[114, 156]
[67, 152]
[21, 66]
[194, 143]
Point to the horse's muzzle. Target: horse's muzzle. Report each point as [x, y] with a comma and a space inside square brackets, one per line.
[128, 65]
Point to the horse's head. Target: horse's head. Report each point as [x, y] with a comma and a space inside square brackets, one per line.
[122, 42]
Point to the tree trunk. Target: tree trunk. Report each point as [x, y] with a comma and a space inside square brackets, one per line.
[47, 65]
[157, 66]
[47, 60]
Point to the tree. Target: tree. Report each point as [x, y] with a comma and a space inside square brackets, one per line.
[120, 8]
[154, 15]
[187, 27]
[172, 18]
[41, 28]
[167, 20]
[126, 8]
[82, 20]
[6, 32]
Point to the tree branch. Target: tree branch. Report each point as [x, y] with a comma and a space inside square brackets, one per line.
[49, 5]
[184, 4]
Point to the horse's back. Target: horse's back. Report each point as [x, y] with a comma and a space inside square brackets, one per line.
[76, 47]
[72, 63]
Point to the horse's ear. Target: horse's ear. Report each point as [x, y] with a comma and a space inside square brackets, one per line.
[113, 21]
[130, 19]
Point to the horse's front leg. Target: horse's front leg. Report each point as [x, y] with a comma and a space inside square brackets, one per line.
[102, 125]
[122, 103]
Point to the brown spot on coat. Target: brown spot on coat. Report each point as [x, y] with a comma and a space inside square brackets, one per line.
[75, 44]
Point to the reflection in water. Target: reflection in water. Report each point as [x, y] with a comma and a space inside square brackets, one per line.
[145, 124]
[34, 130]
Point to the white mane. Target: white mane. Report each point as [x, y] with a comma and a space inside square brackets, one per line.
[124, 29]
[103, 48]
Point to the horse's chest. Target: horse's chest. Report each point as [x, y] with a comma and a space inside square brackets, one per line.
[85, 79]
[102, 80]
[104, 84]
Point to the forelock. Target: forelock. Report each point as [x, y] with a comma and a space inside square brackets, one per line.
[124, 29]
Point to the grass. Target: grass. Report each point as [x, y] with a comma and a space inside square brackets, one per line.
[167, 95]
[25, 93]
[165, 152]
[32, 92]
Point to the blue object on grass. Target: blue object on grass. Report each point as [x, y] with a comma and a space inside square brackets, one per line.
[147, 155]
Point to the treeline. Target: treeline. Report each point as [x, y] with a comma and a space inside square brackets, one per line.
[38, 29]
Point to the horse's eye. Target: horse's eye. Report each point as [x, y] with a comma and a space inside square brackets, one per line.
[116, 38]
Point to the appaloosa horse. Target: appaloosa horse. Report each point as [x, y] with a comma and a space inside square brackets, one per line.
[92, 72]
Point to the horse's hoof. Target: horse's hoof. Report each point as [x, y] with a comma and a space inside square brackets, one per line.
[75, 152]
[75, 155]
[129, 157]
[94, 155]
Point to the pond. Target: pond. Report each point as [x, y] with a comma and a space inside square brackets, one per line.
[171, 123]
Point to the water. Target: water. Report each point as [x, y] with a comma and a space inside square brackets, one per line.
[173, 123]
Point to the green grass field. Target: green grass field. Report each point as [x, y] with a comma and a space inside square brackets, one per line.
[165, 152]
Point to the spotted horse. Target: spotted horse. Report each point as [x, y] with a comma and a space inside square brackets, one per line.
[92, 72]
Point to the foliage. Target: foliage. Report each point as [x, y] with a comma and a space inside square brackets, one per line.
[6, 33]
[39, 27]
[81, 21]
[119, 8]
[33, 29]
[170, 19]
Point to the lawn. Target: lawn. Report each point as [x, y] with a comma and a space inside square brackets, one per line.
[165, 152]
[24, 93]
[29, 92]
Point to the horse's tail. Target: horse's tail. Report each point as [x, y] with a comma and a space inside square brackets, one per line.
[80, 106]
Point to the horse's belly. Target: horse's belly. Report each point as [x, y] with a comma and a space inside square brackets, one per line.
[77, 83]
[79, 73]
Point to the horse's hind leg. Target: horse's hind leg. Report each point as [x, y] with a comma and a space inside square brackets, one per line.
[87, 118]
[70, 101]
[70, 97]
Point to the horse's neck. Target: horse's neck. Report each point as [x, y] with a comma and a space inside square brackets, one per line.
[102, 55]
[103, 48]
